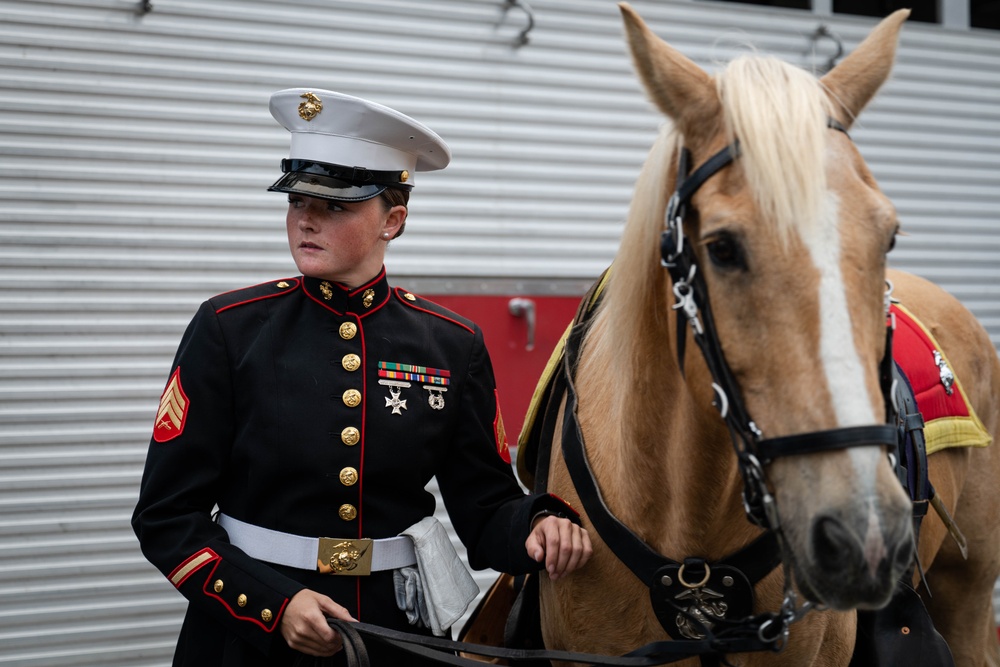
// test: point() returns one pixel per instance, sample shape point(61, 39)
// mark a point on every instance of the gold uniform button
point(241, 600)
point(283, 285)
point(348, 476)
point(352, 398)
point(348, 512)
point(351, 362)
point(348, 330)
point(266, 615)
point(350, 436)
point(409, 297)
point(218, 585)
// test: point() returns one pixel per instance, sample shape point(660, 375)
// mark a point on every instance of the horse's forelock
point(779, 114)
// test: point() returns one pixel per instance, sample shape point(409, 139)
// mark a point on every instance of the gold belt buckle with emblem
point(344, 557)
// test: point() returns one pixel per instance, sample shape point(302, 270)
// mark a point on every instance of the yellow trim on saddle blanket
point(954, 431)
point(546, 378)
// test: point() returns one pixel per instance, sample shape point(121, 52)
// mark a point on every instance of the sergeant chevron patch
point(501, 434)
point(172, 415)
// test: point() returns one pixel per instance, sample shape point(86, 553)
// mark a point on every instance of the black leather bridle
point(753, 451)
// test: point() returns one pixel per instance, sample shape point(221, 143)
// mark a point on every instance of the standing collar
point(360, 301)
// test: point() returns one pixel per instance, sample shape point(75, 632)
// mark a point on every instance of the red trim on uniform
point(399, 293)
point(565, 503)
point(293, 283)
point(212, 594)
point(206, 555)
point(364, 428)
point(172, 414)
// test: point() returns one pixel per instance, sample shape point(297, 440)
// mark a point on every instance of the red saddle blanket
point(949, 419)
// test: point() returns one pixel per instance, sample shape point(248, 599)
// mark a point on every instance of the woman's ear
point(395, 220)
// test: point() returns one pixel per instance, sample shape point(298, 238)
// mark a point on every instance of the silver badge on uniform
point(436, 398)
point(393, 400)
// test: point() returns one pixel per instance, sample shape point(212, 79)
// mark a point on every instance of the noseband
point(753, 451)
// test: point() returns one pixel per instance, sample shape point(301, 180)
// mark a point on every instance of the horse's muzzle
point(857, 564)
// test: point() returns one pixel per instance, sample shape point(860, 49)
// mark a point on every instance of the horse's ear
point(681, 89)
point(854, 82)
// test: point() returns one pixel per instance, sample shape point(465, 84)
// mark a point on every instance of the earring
point(385, 235)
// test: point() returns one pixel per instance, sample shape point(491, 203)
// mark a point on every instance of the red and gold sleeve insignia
point(501, 435)
point(172, 414)
point(192, 565)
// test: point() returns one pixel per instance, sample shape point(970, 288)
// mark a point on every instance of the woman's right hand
point(304, 625)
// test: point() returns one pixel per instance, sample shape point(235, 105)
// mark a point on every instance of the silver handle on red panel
point(521, 307)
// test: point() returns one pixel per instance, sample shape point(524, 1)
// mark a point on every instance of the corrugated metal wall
point(134, 153)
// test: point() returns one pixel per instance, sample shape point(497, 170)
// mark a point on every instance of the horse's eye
point(892, 241)
point(725, 252)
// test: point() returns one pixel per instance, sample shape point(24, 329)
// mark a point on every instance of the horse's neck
point(660, 452)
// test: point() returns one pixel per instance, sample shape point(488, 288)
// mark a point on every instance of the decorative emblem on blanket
point(688, 606)
point(947, 377)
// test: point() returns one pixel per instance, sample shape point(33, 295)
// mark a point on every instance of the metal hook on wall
point(522, 37)
point(823, 31)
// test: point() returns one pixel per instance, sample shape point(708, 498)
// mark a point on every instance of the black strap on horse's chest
point(663, 576)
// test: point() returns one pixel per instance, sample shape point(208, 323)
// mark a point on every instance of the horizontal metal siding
point(134, 153)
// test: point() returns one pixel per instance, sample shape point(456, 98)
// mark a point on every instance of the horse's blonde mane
point(779, 114)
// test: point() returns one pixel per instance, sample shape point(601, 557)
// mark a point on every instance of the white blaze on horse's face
point(791, 238)
point(845, 372)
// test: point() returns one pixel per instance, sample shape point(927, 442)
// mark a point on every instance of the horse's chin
point(821, 587)
point(838, 598)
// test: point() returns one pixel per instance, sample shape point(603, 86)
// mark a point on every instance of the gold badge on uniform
point(326, 289)
point(311, 107)
point(368, 297)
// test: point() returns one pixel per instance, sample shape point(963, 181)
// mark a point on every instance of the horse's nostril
point(833, 544)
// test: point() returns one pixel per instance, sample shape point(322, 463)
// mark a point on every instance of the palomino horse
point(790, 238)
